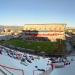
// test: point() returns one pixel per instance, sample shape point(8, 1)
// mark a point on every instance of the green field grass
point(48, 47)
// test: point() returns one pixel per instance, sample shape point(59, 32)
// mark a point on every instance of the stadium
point(45, 32)
point(25, 56)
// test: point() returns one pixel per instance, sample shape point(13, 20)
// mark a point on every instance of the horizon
point(42, 23)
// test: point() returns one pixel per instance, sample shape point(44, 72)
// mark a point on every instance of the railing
point(8, 71)
point(3, 72)
point(11, 71)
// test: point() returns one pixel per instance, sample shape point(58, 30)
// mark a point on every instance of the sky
point(20, 12)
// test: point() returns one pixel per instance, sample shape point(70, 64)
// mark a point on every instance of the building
point(45, 32)
point(10, 30)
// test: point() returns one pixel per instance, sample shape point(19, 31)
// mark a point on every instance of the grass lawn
point(48, 47)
